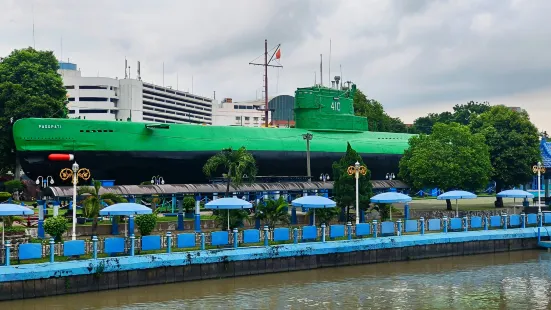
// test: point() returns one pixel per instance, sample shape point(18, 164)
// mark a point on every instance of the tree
point(514, 145)
point(93, 203)
point(29, 87)
point(272, 212)
point(324, 215)
point(450, 158)
point(344, 186)
point(465, 113)
point(235, 163)
point(462, 114)
point(377, 119)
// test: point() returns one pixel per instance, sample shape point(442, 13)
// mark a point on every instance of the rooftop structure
point(243, 113)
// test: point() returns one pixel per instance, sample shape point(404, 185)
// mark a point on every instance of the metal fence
point(261, 237)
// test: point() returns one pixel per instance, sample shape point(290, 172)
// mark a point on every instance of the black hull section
point(128, 168)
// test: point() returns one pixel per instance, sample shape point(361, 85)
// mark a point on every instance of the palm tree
point(273, 212)
point(93, 203)
point(236, 164)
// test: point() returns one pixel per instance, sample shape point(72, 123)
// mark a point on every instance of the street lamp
point(157, 180)
point(324, 177)
point(40, 180)
point(539, 169)
point(308, 137)
point(356, 170)
point(75, 173)
point(390, 176)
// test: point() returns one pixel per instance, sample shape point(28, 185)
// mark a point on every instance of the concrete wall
point(37, 280)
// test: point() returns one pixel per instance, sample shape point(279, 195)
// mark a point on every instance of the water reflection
point(516, 280)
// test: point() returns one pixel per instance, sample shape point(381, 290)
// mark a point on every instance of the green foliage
point(55, 226)
point(451, 157)
point(513, 142)
point(462, 114)
point(189, 204)
point(92, 204)
point(146, 223)
point(235, 164)
point(273, 212)
point(237, 218)
point(4, 196)
point(13, 186)
point(384, 210)
point(29, 87)
point(344, 186)
point(325, 215)
point(377, 119)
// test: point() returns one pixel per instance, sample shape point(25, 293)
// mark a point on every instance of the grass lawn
point(481, 203)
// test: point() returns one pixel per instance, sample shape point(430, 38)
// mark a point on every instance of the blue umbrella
point(230, 203)
point(125, 209)
point(314, 202)
point(390, 197)
point(515, 193)
point(457, 194)
point(9, 209)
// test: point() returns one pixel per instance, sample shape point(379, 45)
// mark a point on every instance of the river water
point(515, 280)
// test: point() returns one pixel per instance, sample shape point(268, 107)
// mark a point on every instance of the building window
point(93, 99)
point(92, 87)
point(71, 99)
point(92, 111)
point(238, 118)
point(70, 87)
point(255, 119)
point(247, 118)
point(71, 111)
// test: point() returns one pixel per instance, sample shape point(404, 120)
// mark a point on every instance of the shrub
point(55, 226)
point(13, 186)
point(4, 196)
point(189, 204)
point(146, 223)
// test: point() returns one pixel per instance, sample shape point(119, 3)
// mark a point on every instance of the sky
point(415, 57)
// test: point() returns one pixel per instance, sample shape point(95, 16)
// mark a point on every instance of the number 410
point(336, 106)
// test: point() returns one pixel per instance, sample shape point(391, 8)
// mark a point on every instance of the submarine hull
point(185, 167)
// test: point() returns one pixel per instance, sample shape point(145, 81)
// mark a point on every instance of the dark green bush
point(146, 223)
point(13, 186)
point(4, 196)
point(55, 226)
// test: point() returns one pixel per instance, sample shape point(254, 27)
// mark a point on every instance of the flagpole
point(266, 83)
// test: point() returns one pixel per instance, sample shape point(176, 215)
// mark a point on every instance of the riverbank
point(48, 279)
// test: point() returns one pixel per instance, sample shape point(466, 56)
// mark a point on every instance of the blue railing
point(255, 237)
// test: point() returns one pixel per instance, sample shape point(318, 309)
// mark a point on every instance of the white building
point(245, 113)
point(102, 98)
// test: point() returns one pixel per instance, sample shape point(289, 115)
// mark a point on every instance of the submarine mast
point(266, 64)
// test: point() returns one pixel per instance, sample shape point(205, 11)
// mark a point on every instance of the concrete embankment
point(48, 279)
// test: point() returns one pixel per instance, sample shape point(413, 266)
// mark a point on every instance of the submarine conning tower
point(320, 108)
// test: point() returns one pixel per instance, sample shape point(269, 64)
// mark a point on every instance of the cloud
point(418, 56)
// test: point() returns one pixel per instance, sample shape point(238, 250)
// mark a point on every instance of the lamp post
point(156, 180)
point(539, 169)
point(324, 177)
point(44, 183)
point(74, 173)
point(356, 170)
point(308, 137)
point(390, 176)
